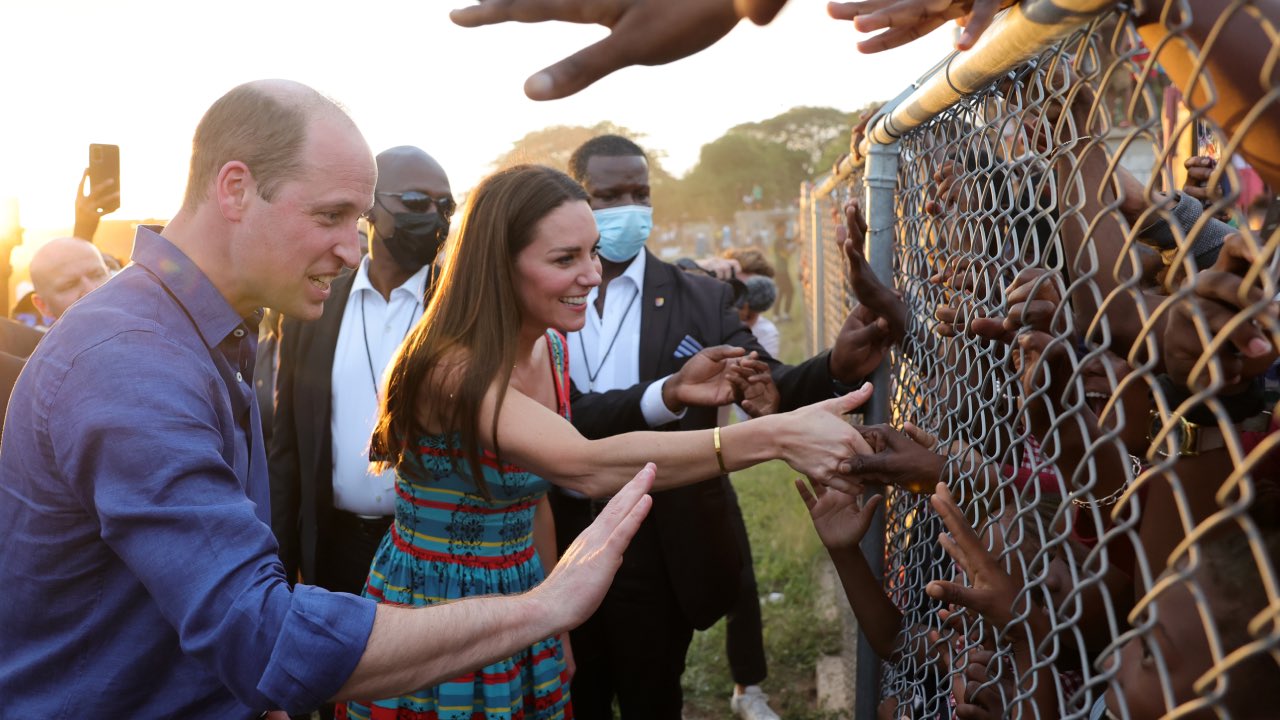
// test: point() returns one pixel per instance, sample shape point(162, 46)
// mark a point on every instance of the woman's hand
point(818, 442)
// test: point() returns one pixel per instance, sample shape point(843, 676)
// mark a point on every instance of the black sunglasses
point(421, 202)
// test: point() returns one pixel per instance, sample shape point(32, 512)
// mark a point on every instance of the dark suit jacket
point(301, 460)
point(698, 545)
point(17, 342)
point(18, 339)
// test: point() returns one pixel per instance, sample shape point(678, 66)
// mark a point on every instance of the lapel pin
point(659, 301)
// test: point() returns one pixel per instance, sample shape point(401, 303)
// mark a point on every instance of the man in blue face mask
point(683, 571)
point(328, 511)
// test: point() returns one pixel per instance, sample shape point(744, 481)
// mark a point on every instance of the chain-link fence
point(1084, 234)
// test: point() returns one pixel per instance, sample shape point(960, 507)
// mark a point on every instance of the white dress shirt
point(767, 333)
point(371, 331)
point(619, 368)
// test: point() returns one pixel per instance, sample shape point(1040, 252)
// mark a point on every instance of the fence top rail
point(1017, 35)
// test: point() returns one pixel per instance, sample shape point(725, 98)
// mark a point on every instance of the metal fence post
point(881, 180)
point(817, 272)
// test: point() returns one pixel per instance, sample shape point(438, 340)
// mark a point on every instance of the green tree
point(822, 133)
point(807, 130)
point(775, 155)
point(731, 167)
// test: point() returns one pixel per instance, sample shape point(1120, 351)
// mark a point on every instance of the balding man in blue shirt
point(141, 575)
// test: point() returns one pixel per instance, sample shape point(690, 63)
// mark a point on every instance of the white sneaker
point(752, 704)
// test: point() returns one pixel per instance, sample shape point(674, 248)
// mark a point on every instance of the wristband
point(715, 438)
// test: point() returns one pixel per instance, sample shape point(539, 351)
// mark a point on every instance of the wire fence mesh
point(1087, 249)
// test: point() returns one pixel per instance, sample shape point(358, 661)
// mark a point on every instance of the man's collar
point(634, 273)
point(212, 315)
point(416, 285)
point(635, 270)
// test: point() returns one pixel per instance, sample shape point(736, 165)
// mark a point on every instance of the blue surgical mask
point(623, 231)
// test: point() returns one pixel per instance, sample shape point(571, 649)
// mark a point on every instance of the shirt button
point(238, 332)
point(239, 377)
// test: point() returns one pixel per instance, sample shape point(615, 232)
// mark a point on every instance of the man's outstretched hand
point(585, 571)
point(643, 32)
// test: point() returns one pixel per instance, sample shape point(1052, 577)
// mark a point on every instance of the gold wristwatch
point(1189, 438)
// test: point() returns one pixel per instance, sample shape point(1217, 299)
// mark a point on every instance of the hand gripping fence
point(1080, 216)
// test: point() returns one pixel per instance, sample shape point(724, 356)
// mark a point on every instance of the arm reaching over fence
point(907, 20)
point(642, 32)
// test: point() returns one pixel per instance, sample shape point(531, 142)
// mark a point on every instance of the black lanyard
point(591, 376)
point(364, 333)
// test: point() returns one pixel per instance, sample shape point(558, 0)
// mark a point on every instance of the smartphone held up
point(104, 176)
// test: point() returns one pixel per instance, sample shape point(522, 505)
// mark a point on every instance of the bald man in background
point(63, 271)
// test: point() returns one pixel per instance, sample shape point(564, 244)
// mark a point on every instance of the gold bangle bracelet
point(715, 437)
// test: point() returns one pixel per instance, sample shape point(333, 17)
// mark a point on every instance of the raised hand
point(880, 318)
point(585, 571)
point(106, 195)
point(840, 518)
point(907, 20)
point(724, 269)
point(704, 380)
point(642, 32)
point(992, 590)
point(1220, 294)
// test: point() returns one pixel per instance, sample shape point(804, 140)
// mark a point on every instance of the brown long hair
point(474, 310)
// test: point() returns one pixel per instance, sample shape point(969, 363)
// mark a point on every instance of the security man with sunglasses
point(328, 511)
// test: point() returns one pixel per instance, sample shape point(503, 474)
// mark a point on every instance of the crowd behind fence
point(1088, 256)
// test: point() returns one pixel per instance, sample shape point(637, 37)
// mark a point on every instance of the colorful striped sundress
point(449, 542)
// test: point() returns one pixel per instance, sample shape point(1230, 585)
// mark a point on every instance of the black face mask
point(417, 239)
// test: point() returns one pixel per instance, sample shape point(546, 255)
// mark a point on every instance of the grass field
point(786, 552)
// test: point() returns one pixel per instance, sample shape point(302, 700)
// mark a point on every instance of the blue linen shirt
point(140, 576)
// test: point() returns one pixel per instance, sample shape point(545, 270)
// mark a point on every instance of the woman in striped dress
point(475, 416)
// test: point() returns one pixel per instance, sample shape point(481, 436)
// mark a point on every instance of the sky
point(140, 73)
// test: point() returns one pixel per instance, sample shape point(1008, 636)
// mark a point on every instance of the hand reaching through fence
point(905, 458)
point(996, 595)
point(980, 694)
point(842, 520)
point(907, 20)
point(1228, 299)
point(1033, 299)
point(642, 32)
point(879, 319)
point(705, 380)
